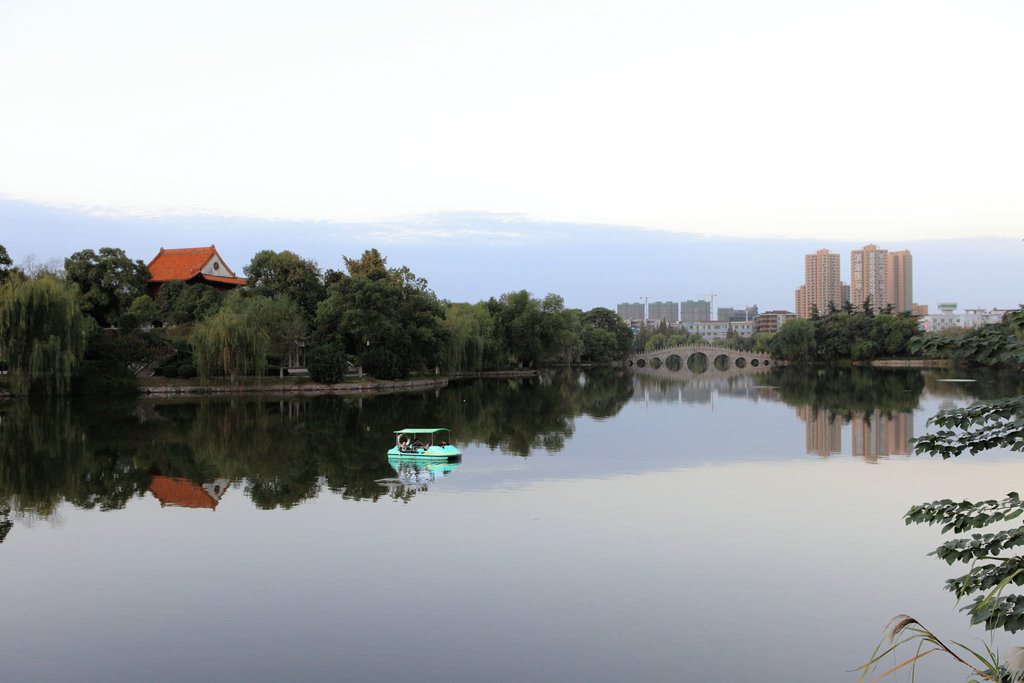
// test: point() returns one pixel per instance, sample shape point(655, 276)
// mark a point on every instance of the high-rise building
point(630, 311)
point(736, 315)
point(770, 321)
point(822, 285)
point(695, 311)
point(901, 281)
point(663, 310)
point(869, 277)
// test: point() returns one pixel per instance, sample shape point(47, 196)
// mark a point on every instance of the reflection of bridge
point(694, 359)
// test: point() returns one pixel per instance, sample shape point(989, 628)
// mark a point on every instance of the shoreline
point(916, 363)
point(363, 388)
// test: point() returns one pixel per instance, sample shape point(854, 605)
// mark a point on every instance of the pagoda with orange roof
point(200, 264)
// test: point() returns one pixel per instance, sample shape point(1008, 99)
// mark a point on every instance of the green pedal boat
point(426, 442)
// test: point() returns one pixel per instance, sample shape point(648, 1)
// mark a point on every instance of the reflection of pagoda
point(877, 435)
point(184, 493)
point(824, 430)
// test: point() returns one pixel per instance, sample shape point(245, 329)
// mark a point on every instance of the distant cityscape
point(879, 279)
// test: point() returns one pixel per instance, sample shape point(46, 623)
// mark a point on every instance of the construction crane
point(646, 299)
point(712, 313)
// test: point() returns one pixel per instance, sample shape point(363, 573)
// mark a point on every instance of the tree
point(108, 282)
point(178, 303)
point(867, 306)
point(271, 273)
point(606, 320)
point(371, 264)
point(5, 264)
point(227, 343)
point(609, 320)
point(469, 345)
point(561, 331)
point(143, 311)
point(41, 335)
point(327, 362)
point(599, 345)
point(996, 564)
point(794, 341)
point(395, 317)
point(517, 322)
point(278, 317)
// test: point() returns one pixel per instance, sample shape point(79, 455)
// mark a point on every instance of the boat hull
point(431, 453)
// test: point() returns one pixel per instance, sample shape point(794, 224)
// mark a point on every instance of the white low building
point(719, 329)
point(949, 319)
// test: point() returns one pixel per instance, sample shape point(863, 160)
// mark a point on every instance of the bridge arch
point(698, 358)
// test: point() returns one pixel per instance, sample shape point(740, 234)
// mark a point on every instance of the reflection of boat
point(427, 443)
point(421, 470)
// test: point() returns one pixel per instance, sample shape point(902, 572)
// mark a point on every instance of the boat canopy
point(424, 430)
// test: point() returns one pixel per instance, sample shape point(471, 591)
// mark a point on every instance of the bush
point(327, 363)
point(104, 377)
point(383, 364)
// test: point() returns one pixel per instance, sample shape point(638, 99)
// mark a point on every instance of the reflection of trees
point(258, 442)
point(104, 453)
point(991, 383)
point(285, 451)
point(848, 390)
point(45, 458)
point(5, 522)
point(518, 415)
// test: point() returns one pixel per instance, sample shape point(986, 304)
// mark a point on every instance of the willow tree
point(41, 335)
point(278, 316)
point(228, 344)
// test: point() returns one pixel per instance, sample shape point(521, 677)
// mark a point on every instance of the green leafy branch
point(981, 426)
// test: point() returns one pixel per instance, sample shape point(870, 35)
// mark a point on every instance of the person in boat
point(416, 444)
point(403, 445)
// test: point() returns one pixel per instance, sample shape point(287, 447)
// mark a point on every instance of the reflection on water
point(602, 525)
point(179, 492)
point(282, 452)
point(419, 471)
point(874, 434)
point(414, 475)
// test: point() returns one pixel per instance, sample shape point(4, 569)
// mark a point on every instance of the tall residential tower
point(822, 285)
point(901, 281)
point(869, 277)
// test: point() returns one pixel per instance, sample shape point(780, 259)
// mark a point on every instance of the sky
point(560, 146)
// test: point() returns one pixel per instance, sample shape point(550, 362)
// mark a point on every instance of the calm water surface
point(600, 526)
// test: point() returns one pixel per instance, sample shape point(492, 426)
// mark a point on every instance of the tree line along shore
point(99, 324)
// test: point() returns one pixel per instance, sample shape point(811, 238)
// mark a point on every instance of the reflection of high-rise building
point(822, 285)
point(879, 435)
point(824, 430)
point(900, 433)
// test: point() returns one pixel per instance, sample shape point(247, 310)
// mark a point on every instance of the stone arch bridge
point(700, 358)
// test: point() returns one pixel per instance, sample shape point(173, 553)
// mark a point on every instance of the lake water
point(601, 525)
